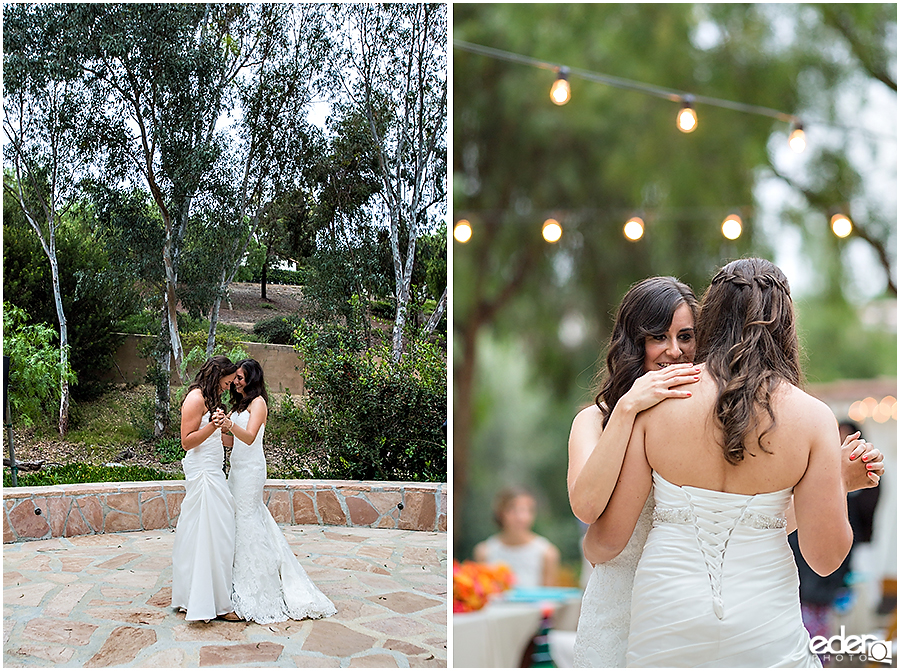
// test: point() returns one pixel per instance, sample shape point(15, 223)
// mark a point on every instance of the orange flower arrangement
point(474, 583)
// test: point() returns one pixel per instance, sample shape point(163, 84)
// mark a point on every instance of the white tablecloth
point(497, 635)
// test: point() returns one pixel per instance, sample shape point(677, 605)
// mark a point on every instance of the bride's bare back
point(683, 443)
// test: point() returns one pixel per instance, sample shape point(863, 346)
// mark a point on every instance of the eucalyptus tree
point(44, 112)
point(395, 73)
point(199, 103)
point(274, 146)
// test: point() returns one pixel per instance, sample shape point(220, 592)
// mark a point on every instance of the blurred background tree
point(532, 318)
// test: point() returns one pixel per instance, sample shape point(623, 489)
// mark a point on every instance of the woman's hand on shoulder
point(658, 385)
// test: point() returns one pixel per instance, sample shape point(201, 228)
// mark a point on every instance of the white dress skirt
point(203, 551)
point(603, 624)
point(270, 585)
point(716, 585)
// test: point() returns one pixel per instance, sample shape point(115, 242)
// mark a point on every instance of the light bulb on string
point(687, 117)
point(462, 231)
point(634, 229)
point(797, 140)
point(551, 231)
point(732, 227)
point(841, 225)
point(560, 91)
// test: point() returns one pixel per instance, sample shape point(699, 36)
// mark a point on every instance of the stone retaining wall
point(32, 513)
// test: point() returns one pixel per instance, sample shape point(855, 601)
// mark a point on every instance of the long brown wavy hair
point(646, 310)
point(747, 337)
point(207, 380)
point(254, 385)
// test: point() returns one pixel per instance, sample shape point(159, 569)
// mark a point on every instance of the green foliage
point(383, 309)
point(80, 472)
point(278, 330)
point(95, 295)
point(372, 419)
point(169, 450)
point(35, 367)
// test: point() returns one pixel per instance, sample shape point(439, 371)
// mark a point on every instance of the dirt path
point(245, 306)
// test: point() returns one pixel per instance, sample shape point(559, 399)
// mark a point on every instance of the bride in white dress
point(269, 584)
point(648, 360)
point(716, 583)
point(204, 535)
point(652, 338)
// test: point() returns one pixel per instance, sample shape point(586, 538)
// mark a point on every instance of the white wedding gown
point(716, 585)
point(270, 585)
point(603, 624)
point(204, 535)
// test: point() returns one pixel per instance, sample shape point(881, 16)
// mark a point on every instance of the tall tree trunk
point(163, 377)
point(214, 317)
point(262, 279)
point(63, 342)
point(437, 314)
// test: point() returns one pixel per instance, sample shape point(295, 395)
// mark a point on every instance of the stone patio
point(103, 600)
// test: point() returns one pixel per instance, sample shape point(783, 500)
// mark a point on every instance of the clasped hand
point(869, 473)
point(221, 420)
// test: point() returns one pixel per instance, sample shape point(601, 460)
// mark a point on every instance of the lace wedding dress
point(204, 535)
point(716, 585)
point(270, 585)
point(602, 634)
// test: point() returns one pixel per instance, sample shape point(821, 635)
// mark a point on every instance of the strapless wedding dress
point(270, 585)
point(602, 634)
point(204, 536)
point(716, 585)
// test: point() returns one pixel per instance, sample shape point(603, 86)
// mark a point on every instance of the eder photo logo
point(864, 648)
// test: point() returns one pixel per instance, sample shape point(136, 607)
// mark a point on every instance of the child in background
point(533, 559)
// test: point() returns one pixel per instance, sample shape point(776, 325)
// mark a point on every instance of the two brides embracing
point(700, 454)
point(230, 559)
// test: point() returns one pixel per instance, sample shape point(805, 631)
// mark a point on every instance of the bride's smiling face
point(240, 381)
point(225, 381)
point(676, 345)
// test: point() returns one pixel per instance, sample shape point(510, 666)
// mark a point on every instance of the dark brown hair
point(207, 380)
point(254, 385)
point(646, 310)
point(747, 338)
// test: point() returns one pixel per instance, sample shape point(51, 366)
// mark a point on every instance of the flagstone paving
point(104, 600)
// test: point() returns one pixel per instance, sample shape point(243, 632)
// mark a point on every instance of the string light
point(634, 229)
point(687, 117)
point(551, 231)
point(797, 140)
point(649, 89)
point(841, 225)
point(560, 91)
point(731, 227)
point(462, 231)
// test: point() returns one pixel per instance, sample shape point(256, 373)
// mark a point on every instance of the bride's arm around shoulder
point(820, 500)
point(609, 535)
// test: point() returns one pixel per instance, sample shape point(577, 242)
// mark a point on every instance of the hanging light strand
point(649, 89)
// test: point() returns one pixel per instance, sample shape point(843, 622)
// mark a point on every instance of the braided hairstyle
point(747, 338)
point(208, 378)
point(646, 310)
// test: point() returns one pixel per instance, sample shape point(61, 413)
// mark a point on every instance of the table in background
point(497, 635)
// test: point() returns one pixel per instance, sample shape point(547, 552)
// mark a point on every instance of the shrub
point(35, 366)
point(169, 450)
point(80, 472)
point(277, 330)
point(374, 420)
